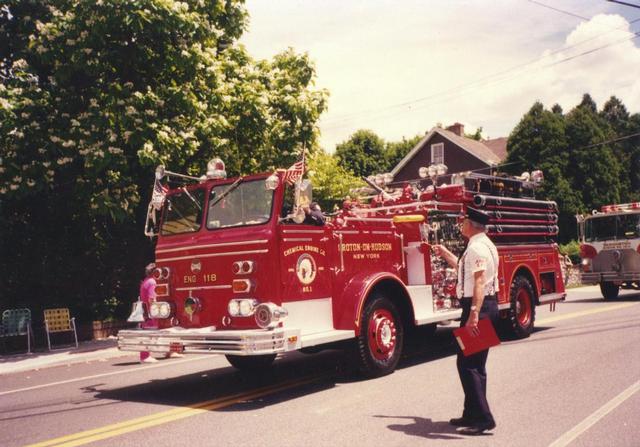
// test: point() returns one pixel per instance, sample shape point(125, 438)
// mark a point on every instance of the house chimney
point(457, 128)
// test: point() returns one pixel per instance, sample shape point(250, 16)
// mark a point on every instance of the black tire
point(251, 362)
point(522, 313)
point(379, 345)
point(609, 290)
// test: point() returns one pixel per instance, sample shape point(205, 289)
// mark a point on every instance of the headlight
point(242, 307)
point(247, 307)
point(233, 308)
point(160, 309)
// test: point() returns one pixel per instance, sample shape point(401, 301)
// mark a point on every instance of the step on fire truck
point(240, 273)
point(610, 248)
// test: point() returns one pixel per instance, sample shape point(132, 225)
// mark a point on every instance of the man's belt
point(493, 297)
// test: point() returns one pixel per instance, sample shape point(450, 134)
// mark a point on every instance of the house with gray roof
point(451, 147)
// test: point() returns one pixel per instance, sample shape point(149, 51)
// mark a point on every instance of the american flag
point(159, 193)
point(295, 172)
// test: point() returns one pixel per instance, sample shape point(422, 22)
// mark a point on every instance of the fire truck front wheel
point(379, 344)
point(522, 313)
point(609, 290)
point(250, 362)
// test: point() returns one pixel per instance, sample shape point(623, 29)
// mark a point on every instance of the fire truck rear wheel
point(522, 313)
point(250, 362)
point(609, 290)
point(379, 344)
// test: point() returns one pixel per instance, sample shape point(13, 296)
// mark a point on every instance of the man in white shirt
point(477, 288)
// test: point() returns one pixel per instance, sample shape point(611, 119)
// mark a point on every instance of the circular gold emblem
point(306, 269)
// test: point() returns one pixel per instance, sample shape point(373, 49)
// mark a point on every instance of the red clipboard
point(470, 344)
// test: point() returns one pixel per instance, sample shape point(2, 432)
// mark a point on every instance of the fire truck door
point(304, 273)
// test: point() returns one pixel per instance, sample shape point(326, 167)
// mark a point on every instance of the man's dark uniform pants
point(471, 369)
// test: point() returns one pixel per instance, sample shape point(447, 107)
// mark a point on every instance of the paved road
point(576, 382)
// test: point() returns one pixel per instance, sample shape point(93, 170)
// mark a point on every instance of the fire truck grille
point(248, 342)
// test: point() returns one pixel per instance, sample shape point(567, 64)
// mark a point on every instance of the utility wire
point(458, 91)
point(457, 88)
point(562, 11)
point(624, 3)
point(626, 137)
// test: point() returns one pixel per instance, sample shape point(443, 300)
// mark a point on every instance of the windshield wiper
point(191, 197)
point(227, 191)
point(191, 226)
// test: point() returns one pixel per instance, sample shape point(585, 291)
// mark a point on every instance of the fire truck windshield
point(182, 212)
point(606, 228)
point(249, 203)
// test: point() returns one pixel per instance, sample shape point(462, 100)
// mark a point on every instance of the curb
point(35, 361)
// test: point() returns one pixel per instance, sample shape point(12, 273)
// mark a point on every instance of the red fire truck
point(240, 273)
point(610, 248)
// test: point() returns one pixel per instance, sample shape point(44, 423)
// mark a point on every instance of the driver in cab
point(313, 214)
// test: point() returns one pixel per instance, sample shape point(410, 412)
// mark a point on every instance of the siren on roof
point(216, 169)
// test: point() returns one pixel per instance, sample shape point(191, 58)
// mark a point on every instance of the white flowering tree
point(93, 95)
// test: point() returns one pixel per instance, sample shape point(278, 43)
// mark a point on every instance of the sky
point(400, 67)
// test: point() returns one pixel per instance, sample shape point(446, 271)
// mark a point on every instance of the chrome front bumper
point(210, 341)
point(615, 277)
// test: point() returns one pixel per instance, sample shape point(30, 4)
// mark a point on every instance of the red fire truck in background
point(239, 273)
point(610, 248)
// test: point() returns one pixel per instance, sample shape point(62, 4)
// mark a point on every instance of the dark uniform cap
point(477, 216)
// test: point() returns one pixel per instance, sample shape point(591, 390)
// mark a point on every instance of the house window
point(437, 153)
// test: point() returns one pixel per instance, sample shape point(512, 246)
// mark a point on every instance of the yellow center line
point(164, 417)
point(152, 420)
point(583, 313)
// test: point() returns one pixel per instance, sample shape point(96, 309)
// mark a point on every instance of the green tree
point(363, 153)
point(93, 96)
point(633, 149)
point(615, 114)
point(539, 142)
point(588, 103)
point(593, 168)
point(331, 181)
point(396, 150)
point(477, 135)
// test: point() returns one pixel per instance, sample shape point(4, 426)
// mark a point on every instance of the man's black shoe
point(477, 429)
point(461, 422)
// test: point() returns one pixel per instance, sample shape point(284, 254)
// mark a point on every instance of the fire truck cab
point(241, 273)
point(610, 248)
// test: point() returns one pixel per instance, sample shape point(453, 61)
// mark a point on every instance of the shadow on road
point(326, 370)
point(222, 383)
point(424, 428)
